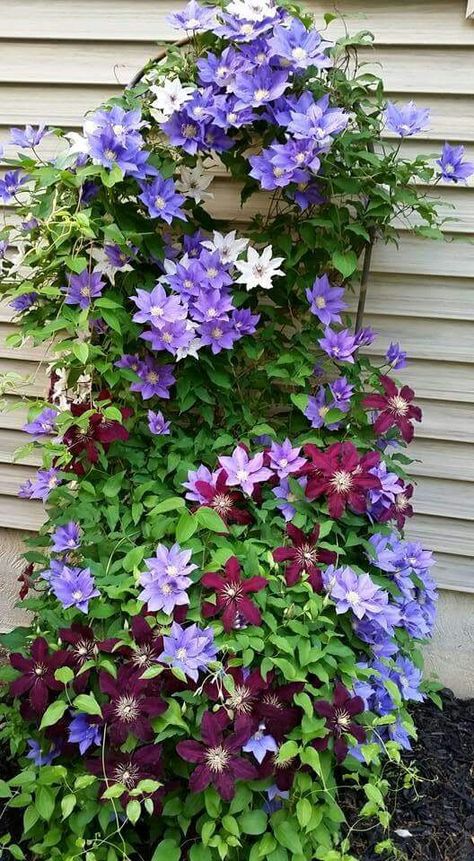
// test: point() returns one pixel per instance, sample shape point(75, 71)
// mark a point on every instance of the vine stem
point(364, 281)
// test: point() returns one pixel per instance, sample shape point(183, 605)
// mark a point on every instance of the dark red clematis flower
point(342, 476)
point(37, 674)
point(147, 646)
point(283, 773)
point(401, 508)
point(217, 757)
point(133, 703)
point(83, 647)
point(83, 442)
point(129, 769)
point(396, 409)
point(305, 555)
point(26, 580)
point(339, 721)
point(232, 595)
point(248, 687)
point(276, 710)
point(224, 500)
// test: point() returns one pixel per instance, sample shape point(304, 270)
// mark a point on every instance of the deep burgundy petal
point(191, 751)
point(200, 778)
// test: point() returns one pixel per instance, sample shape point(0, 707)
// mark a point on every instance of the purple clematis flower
point(218, 334)
point(155, 380)
point(264, 86)
point(41, 486)
point(162, 200)
point(300, 47)
point(11, 184)
point(171, 337)
point(189, 649)
point(67, 537)
point(339, 345)
point(83, 288)
point(74, 587)
point(167, 579)
point(326, 301)
point(44, 423)
point(244, 322)
point(84, 733)
point(260, 743)
point(158, 424)
point(285, 494)
point(27, 137)
point(194, 18)
point(243, 471)
point(357, 593)
point(156, 307)
point(40, 757)
point(319, 122)
point(396, 357)
point(453, 168)
point(284, 459)
point(25, 301)
point(202, 475)
point(406, 120)
point(342, 392)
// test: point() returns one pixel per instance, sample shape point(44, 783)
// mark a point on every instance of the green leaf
point(172, 503)
point(133, 811)
point(253, 822)
point(64, 675)
point(287, 835)
point(87, 703)
point(114, 791)
point(81, 351)
point(345, 263)
point(44, 802)
point(199, 853)
point(168, 850)
point(5, 791)
point(53, 713)
point(111, 177)
point(186, 527)
point(288, 750)
point(304, 811)
point(68, 804)
point(76, 264)
point(209, 519)
point(113, 485)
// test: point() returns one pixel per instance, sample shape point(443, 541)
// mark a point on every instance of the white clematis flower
point(259, 269)
point(171, 95)
point(227, 245)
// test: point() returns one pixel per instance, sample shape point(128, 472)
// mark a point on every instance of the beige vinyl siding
point(60, 58)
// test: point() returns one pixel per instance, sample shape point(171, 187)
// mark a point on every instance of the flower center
point(401, 501)
point(242, 474)
point(189, 130)
point(156, 311)
point(128, 775)
point(353, 598)
point(398, 405)
point(159, 202)
point(78, 595)
point(85, 291)
point(232, 590)
point(307, 555)
point(39, 670)
point(343, 719)
point(273, 701)
point(217, 758)
point(320, 302)
point(181, 654)
point(240, 700)
point(152, 377)
point(216, 332)
point(341, 481)
point(110, 155)
point(298, 53)
point(84, 650)
point(127, 708)
point(143, 656)
point(222, 503)
point(261, 95)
